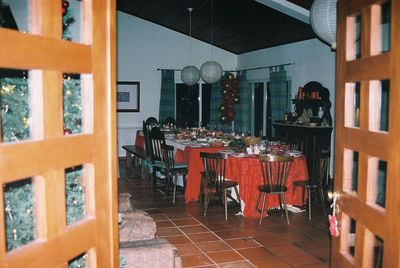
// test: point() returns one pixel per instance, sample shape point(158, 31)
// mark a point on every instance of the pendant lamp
point(211, 71)
point(190, 75)
point(323, 20)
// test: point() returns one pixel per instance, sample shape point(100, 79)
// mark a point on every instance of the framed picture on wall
point(128, 96)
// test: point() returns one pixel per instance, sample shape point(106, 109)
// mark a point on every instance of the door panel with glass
point(367, 161)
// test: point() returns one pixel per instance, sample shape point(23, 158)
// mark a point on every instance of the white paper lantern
point(323, 20)
point(211, 72)
point(190, 75)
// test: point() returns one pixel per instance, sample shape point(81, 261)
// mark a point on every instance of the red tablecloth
point(247, 171)
point(139, 141)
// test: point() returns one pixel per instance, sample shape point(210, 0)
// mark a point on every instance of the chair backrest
point(146, 139)
point(156, 139)
point(170, 121)
point(152, 121)
point(214, 168)
point(168, 157)
point(275, 171)
point(320, 168)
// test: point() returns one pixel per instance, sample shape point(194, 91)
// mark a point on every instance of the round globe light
point(323, 20)
point(190, 75)
point(211, 72)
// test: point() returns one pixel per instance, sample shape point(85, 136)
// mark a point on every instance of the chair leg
point(226, 204)
point(207, 201)
point(258, 200)
point(321, 195)
point(287, 214)
point(280, 204)
point(201, 197)
point(262, 209)
point(309, 204)
point(175, 182)
point(303, 193)
point(205, 198)
point(142, 170)
point(167, 182)
point(238, 197)
point(154, 184)
point(184, 178)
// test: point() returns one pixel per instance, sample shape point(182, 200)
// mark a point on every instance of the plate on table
point(227, 151)
point(239, 155)
point(294, 153)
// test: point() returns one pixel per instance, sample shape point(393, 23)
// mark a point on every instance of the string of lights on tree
point(230, 97)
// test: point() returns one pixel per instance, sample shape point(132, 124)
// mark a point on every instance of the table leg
point(128, 166)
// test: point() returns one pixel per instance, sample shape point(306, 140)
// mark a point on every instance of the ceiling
point(239, 26)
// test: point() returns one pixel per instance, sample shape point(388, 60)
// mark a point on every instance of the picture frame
point(128, 96)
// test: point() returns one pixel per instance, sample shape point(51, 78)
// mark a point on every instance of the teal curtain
point(279, 93)
point(215, 102)
point(243, 108)
point(167, 96)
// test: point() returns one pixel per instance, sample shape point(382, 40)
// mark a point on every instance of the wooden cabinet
point(314, 96)
point(310, 139)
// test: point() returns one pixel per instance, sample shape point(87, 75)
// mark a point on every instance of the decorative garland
point(230, 96)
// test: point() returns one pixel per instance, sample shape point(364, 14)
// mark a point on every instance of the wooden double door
point(45, 156)
point(367, 144)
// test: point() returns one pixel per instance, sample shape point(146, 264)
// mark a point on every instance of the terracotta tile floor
point(240, 242)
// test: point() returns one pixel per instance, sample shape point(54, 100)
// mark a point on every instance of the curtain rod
point(232, 71)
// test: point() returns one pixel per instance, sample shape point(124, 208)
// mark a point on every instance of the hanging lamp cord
point(212, 28)
point(190, 34)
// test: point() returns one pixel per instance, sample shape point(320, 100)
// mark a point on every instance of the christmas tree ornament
point(67, 131)
point(65, 4)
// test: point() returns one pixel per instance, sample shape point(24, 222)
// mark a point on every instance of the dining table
point(243, 168)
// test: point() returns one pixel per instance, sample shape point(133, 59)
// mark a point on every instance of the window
point(189, 112)
point(267, 106)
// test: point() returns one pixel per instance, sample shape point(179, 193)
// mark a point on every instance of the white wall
point(142, 47)
point(313, 61)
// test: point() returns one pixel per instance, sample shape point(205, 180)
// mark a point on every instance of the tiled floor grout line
point(211, 231)
point(222, 240)
point(204, 253)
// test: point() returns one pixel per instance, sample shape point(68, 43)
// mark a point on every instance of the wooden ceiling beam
point(288, 8)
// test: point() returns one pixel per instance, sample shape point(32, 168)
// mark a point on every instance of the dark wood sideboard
point(310, 139)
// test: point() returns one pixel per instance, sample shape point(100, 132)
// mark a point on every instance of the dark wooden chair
point(214, 179)
point(156, 138)
point(275, 172)
point(170, 121)
point(152, 121)
point(172, 169)
point(318, 180)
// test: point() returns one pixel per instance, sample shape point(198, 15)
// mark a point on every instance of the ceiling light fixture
point(323, 20)
point(211, 71)
point(190, 75)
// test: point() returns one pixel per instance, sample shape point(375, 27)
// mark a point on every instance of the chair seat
point(306, 184)
point(160, 164)
point(272, 188)
point(229, 183)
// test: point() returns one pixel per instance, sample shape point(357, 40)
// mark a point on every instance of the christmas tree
point(18, 196)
